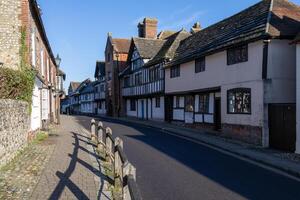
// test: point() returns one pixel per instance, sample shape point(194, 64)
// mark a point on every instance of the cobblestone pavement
point(70, 173)
point(19, 177)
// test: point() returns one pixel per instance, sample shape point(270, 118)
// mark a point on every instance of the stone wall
point(14, 126)
point(10, 34)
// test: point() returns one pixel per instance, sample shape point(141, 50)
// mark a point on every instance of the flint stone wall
point(14, 127)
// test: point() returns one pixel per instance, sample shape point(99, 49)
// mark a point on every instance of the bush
point(17, 84)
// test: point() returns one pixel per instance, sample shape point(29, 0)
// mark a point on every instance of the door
point(143, 109)
point(282, 126)
point(217, 113)
point(189, 109)
point(168, 108)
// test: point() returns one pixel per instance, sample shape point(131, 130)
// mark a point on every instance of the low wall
point(14, 126)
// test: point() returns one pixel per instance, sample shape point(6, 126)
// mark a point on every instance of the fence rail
point(123, 171)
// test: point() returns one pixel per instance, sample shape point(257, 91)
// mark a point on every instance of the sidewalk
point(286, 162)
point(73, 171)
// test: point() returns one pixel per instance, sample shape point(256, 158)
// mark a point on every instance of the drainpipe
point(265, 128)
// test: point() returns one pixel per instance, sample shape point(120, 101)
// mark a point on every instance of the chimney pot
point(196, 28)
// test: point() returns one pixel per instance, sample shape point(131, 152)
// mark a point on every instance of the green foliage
point(40, 137)
point(18, 84)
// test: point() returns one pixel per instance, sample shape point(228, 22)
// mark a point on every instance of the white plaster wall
point(298, 101)
point(158, 113)
point(282, 72)
point(178, 114)
point(217, 73)
point(36, 106)
point(128, 111)
point(149, 101)
point(256, 116)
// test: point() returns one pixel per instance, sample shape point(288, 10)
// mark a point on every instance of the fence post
point(93, 129)
point(118, 161)
point(128, 169)
point(100, 137)
point(109, 143)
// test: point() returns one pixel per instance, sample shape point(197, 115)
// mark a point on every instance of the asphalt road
point(171, 168)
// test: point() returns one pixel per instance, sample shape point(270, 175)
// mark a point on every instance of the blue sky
point(78, 29)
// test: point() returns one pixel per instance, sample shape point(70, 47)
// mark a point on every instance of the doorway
point(217, 113)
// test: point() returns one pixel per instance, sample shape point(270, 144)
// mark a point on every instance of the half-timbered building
point(100, 88)
point(238, 75)
point(143, 80)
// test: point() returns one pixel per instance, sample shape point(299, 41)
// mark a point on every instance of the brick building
point(24, 17)
point(116, 53)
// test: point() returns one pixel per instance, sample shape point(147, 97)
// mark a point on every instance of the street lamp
point(58, 60)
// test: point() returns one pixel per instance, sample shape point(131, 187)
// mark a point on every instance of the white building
point(297, 42)
point(238, 76)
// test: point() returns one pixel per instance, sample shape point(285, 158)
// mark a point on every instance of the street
point(172, 168)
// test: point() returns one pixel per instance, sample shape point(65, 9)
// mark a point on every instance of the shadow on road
point(243, 178)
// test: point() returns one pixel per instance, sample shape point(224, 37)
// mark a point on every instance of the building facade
point(100, 88)
point(143, 80)
point(230, 76)
point(23, 22)
point(116, 53)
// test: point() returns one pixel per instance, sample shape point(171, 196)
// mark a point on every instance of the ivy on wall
point(18, 84)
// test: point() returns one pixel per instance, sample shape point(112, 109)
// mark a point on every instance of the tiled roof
point(165, 34)
point(74, 85)
point(148, 48)
point(266, 19)
point(121, 45)
point(169, 48)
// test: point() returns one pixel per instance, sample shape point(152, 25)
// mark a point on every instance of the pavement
point(173, 165)
point(73, 171)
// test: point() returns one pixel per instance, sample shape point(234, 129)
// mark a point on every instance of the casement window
point(177, 102)
point(127, 81)
point(47, 69)
point(154, 74)
point(175, 71)
point(200, 65)
point(132, 105)
point(109, 76)
point(157, 102)
point(138, 79)
point(136, 63)
point(189, 103)
point(203, 103)
point(33, 49)
point(239, 101)
point(237, 55)
point(42, 63)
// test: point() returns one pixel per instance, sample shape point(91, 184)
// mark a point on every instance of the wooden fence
point(123, 171)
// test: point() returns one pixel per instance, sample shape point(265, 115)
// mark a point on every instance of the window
point(127, 81)
point(157, 102)
point(108, 57)
point(138, 79)
point(204, 103)
point(239, 101)
point(200, 65)
point(136, 64)
point(154, 74)
point(237, 55)
point(33, 49)
point(189, 104)
point(175, 71)
point(132, 105)
point(109, 76)
point(177, 102)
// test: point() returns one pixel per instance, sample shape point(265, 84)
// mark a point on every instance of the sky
point(77, 29)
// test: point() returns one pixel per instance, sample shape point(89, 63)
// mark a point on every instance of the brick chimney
point(196, 28)
point(148, 28)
